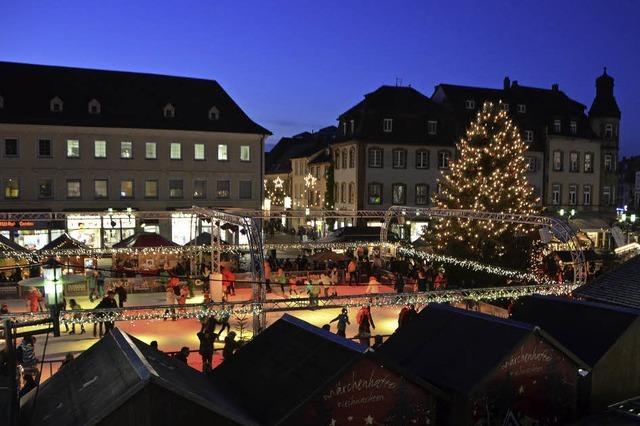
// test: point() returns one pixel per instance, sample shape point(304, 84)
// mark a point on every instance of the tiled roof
point(620, 286)
point(127, 99)
point(304, 144)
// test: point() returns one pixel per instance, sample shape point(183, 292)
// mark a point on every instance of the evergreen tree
point(489, 174)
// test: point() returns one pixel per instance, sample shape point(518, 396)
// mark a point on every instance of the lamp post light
point(52, 273)
point(627, 221)
point(569, 214)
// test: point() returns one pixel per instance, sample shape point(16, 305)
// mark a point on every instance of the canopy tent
point(145, 240)
point(63, 242)
point(143, 258)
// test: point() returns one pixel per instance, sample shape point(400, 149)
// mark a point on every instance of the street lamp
point(52, 273)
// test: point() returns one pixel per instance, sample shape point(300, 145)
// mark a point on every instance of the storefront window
point(32, 239)
point(183, 228)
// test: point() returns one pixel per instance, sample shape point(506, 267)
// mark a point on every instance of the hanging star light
point(310, 180)
point(278, 183)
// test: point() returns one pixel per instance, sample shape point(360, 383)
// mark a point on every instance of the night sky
point(296, 65)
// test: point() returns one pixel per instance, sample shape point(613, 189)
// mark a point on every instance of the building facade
point(106, 142)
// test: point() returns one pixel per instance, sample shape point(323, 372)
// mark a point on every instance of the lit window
point(399, 193)
point(222, 152)
point(574, 162)
point(522, 108)
point(557, 126)
point(352, 192)
point(199, 189)
point(556, 194)
point(11, 188)
point(443, 159)
point(387, 125)
point(100, 188)
point(572, 195)
point(245, 190)
point(573, 127)
point(73, 188)
point(198, 151)
point(175, 151)
point(11, 148)
point(45, 189)
point(126, 150)
point(223, 189)
point(528, 135)
point(375, 193)
point(608, 131)
point(422, 159)
point(73, 148)
point(588, 162)
point(151, 188)
point(126, 189)
point(343, 192)
point(44, 148)
point(175, 188)
point(100, 149)
point(606, 195)
point(469, 104)
point(586, 195)
point(245, 153)
point(150, 152)
point(399, 158)
point(557, 161)
point(375, 157)
point(422, 194)
point(432, 127)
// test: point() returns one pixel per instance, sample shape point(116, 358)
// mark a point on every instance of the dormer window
point(505, 107)
point(352, 126)
point(522, 108)
point(557, 126)
point(469, 104)
point(214, 113)
point(169, 111)
point(387, 125)
point(56, 104)
point(94, 107)
point(432, 127)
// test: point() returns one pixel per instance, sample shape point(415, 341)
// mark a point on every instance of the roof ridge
point(346, 343)
point(142, 367)
point(482, 316)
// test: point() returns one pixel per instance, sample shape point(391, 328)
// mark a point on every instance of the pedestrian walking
point(108, 302)
point(76, 307)
point(207, 338)
point(440, 282)
point(267, 275)
point(365, 324)
point(122, 294)
point(26, 355)
point(343, 321)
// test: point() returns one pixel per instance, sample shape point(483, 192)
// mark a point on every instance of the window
point(73, 148)
point(126, 150)
point(175, 151)
point(169, 111)
point(344, 127)
point(199, 189)
point(352, 126)
point(73, 188)
point(422, 194)
point(469, 104)
point(606, 196)
point(344, 158)
point(422, 159)
point(387, 125)
point(99, 149)
point(11, 147)
point(45, 189)
point(399, 158)
point(399, 193)
point(343, 192)
point(573, 127)
point(352, 158)
point(531, 163)
point(352, 192)
point(337, 160)
point(522, 108)
point(608, 162)
point(245, 190)
point(150, 152)
point(557, 161)
point(100, 188)
point(56, 104)
point(528, 135)
point(222, 152)
point(151, 188)
point(175, 188)
point(574, 165)
point(223, 189)
point(556, 194)
point(608, 131)
point(432, 127)
point(443, 159)
point(505, 107)
point(586, 195)
point(375, 193)
point(126, 188)
point(94, 107)
point(245, 153)
point(214, 113)
point(572, 195)
point(557, 126)
point(11, 188)
point(375, 157)
point(44, 148)
point(198, 151)
point(588, 162)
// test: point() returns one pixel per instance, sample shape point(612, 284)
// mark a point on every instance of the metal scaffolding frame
point(559, 228)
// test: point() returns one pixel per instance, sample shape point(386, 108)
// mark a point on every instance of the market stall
point(14, 261)
point(145, 253)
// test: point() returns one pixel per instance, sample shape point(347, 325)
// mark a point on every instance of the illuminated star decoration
point(277, 182)
point(368, 420)
point(309, 180)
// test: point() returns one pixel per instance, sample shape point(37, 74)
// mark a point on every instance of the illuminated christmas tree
point(488, 175)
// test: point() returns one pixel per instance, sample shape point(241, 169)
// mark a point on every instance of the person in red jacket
point(440, 283)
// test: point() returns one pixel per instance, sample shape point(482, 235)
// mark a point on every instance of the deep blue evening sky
point(295, 65)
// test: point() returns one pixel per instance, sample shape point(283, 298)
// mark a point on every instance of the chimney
point(554, 87)
point(506, 83)
point(514, 84)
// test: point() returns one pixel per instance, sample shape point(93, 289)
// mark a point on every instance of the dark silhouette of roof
point(453, 348)
point(127, 99)
point(65, 242)
point(604, 104)
point(322, 157)
point(305, 144)
point(111, 372)
point(619, 286)
point(283, 366)
point(145, 240)
point(7, 246)
point(587, 329)
point(204, 239)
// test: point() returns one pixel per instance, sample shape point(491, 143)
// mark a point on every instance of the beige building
point(101, 142)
